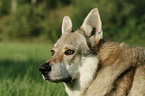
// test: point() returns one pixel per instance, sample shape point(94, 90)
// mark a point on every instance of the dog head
point(73, 46)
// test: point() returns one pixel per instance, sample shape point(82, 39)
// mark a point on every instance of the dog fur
point(95, 67)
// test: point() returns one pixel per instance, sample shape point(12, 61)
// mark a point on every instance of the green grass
point(19, 75)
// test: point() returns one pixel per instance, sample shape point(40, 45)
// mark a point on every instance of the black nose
point(44, 68)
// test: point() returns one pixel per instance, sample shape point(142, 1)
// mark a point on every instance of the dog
point(89, 65)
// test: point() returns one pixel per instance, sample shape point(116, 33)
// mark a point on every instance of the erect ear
point(66, 25)
point(92, 27)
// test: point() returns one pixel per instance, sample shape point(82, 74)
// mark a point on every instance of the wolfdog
point(89, 65)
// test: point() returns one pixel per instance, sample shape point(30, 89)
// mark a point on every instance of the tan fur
point(123, 84)
point(138, 86)
point(118, 58)
point(96, 67)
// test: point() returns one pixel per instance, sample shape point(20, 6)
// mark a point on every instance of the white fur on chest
point(87, 72)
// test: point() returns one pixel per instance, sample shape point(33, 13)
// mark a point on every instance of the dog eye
point(52, 52)
point(69, 52)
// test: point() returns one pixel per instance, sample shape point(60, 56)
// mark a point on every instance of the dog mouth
point(56, 80)
point(66, 80)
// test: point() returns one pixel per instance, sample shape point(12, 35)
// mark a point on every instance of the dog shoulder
point(115, 59)
point(109, 52)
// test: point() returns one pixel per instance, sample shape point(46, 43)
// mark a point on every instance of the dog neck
point(87, 73)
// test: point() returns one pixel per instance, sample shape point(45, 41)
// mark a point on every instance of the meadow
point(19, 74)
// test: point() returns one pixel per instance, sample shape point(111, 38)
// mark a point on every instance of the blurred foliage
point(121, 19)
point(4, 7)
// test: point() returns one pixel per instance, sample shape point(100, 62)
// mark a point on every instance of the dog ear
point(92, 27)
point(66, 25)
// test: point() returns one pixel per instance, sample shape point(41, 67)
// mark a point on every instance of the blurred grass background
point(29, 28)
point(19, 63)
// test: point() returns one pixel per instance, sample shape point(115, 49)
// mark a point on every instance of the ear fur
point(91, 22)
point(66, 24)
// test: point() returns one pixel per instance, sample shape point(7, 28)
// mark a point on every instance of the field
point(19, 75)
